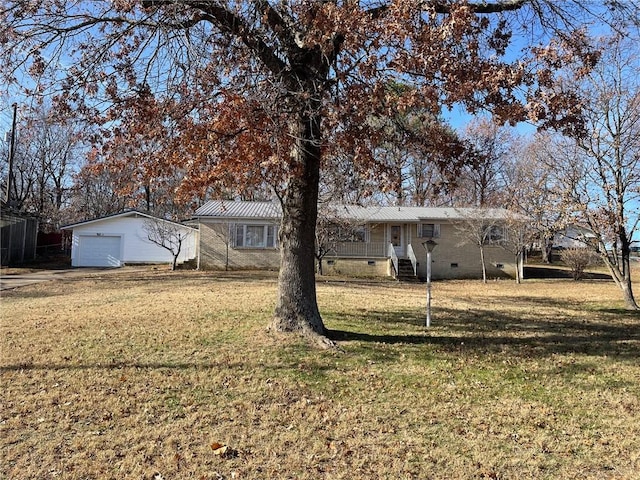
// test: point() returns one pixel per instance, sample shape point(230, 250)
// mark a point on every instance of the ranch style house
point(385, 241)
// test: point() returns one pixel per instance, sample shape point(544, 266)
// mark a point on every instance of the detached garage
point(123, 238)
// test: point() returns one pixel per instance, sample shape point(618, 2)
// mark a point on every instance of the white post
point(429, 245)
point(428, 288)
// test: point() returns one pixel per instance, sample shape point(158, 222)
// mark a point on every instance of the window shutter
point(239, 237)
point(271, 242)
point(436, 230)
point(232, 234)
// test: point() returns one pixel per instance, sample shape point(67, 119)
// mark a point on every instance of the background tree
point(477, 229)
point(98, 192)
point(416, 153)
point(168, 235)
point(334, 228)
point(48, 152)
point(533, 188)
point(481, 182)
point(24, 176)
point(600, 167)
point(225, 233)
point(268, 80)
point(516, 238)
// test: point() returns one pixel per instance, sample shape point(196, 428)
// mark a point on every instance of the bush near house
point(578, 260)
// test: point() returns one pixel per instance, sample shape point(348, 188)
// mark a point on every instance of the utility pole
point(7, 196)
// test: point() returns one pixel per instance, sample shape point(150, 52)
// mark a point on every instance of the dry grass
point(137, 376)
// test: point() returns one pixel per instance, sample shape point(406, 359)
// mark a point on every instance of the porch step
point(405, 271)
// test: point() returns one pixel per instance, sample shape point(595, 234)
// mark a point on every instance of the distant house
point(244, 235)
point(120, 239)
point(573, 236)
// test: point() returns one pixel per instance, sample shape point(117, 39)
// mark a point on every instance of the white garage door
point(99, 251)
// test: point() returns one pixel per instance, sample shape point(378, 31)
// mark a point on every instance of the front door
point(396, 239)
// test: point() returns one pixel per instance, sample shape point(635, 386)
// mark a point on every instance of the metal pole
point(428, 288)
point(7, 197)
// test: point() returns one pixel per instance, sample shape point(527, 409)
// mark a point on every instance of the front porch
point(373, 258)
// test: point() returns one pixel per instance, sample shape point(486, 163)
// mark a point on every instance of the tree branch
point(229, 22)
point(441, 7)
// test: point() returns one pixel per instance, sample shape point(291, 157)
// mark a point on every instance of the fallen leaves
point(223, 451)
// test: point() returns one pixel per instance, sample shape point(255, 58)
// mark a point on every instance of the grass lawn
point(171, 375)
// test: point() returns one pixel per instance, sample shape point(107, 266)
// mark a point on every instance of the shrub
point(577, 259)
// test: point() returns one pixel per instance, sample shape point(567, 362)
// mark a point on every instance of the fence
point(18, 238)
point(359, 249)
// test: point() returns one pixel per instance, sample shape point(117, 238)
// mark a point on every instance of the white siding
point(103, 251)
point(135, 247)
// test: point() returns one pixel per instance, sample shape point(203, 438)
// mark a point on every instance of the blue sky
point(457, 117)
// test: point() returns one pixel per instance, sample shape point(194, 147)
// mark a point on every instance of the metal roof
point(125, 213)
point(416, 214)
point(272, 210)
point(239, 209)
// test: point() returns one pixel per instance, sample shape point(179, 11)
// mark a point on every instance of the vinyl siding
point(136, 248)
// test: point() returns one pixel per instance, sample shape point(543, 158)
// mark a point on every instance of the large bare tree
point(599, 165)
point(532, 187)
point(254, 87)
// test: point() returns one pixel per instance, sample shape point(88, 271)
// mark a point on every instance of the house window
point(359, 234)
point(428, 230)
point(348, 233)
point(496, 234)
point(256, 236)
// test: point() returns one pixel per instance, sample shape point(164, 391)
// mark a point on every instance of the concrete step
point(405, 271)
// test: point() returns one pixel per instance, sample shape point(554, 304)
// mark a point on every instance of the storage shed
point(123, 238)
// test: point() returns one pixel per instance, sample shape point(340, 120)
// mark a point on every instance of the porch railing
point(414, 261)
point(394, 258)
point(358, 249)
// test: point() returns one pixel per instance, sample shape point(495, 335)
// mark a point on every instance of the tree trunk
point(296, 307)
point(622, 278)
point(547, 250)
point(484, 265)
point(627, 292)
point(518, 270)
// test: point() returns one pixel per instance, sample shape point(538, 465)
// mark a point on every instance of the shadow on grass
point(181, 276)
point(303, 366)
point(121, 366)
point(545, 271)
point(611, 333)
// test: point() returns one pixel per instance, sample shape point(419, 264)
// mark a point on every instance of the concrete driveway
point(8, 282)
